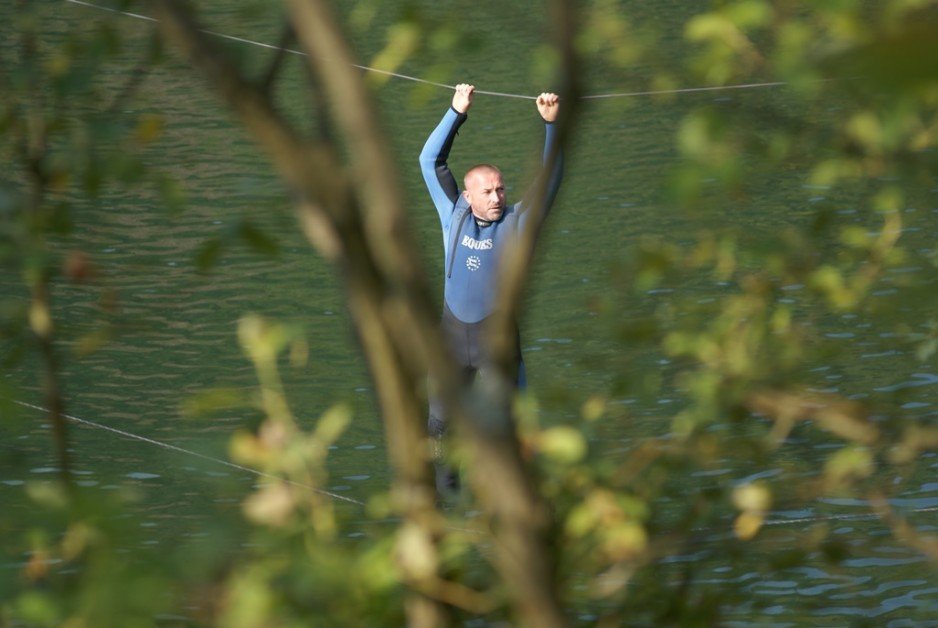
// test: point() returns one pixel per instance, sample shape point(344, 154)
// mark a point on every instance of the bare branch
point(359, 222)
point(347, 224)
point(522, 518)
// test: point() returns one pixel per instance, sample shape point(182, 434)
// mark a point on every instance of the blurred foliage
point(861, 106)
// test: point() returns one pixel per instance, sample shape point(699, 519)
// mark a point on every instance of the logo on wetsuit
point(474, 262)
point(477, 245)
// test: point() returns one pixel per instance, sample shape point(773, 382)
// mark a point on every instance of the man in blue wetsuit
point(477, 224)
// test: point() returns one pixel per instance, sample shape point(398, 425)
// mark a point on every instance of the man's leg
point(447, 480)
point(446, 475)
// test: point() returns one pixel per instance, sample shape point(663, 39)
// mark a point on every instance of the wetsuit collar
point(483, 223)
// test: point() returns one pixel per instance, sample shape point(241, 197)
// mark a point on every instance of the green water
point(176, 335)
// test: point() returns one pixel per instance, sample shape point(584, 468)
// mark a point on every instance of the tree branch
point(347, 223)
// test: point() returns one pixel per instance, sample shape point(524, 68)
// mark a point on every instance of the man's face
point(485, 193)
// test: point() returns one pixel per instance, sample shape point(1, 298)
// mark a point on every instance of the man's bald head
point(485, 192)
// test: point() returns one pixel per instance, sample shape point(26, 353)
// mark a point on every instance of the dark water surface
point(177, 330)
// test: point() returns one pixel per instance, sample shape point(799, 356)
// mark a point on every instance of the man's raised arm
point(442, 185)
point(548, 105)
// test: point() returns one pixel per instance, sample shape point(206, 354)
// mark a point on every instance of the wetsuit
point(471, 252)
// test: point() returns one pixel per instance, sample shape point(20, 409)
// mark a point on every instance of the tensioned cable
point(242, 40)
point(189, 452)
point(246, 469)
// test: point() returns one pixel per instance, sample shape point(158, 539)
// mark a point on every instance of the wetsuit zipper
point(455, 243)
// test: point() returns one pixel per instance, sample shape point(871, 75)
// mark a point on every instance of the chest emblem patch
point(473, 262)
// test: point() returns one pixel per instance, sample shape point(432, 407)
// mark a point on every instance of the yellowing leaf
point(593, 408)
point(625, 540)
point(866, 129)
point(747, 525)
point(403, 39)
point(48, 494)
point(77, 538)
point(40, 320)
point(564, 444)
point(333, 423)
point(272, 505)
point(848, 464)
point(752, 497)
point(415, 553)
point(246, 448)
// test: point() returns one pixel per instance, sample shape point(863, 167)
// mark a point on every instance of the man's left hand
point(548, 104)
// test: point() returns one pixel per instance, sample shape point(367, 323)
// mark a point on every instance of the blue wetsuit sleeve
point(433, 165)
point(556, 174)
point(553, 177)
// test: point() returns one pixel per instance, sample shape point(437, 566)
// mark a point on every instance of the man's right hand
point(462, 99)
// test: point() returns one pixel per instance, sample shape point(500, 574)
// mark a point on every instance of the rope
point(189, 452)
point(685, 90)
point(241, 40)
point(232, 465)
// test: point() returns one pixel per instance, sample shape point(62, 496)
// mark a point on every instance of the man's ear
point(465, 195)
